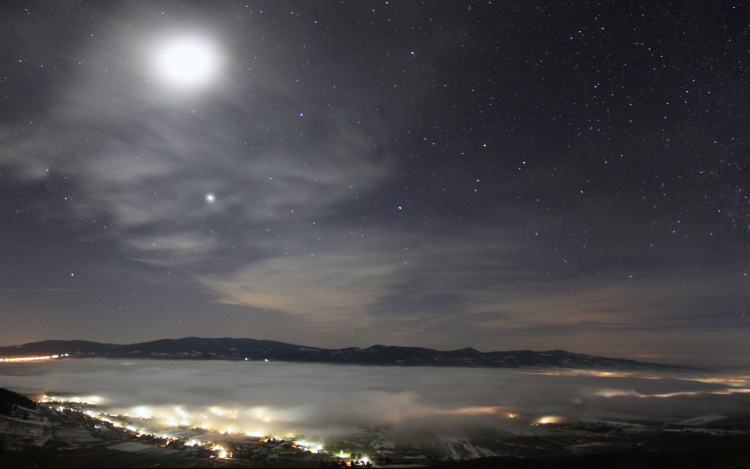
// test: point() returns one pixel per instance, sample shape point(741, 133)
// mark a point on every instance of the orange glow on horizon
point(27, 359)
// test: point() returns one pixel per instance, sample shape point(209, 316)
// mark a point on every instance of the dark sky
point(502, 175)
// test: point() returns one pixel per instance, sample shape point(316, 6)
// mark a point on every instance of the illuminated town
point(165, 437)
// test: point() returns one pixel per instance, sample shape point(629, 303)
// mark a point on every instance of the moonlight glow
point(187, 62)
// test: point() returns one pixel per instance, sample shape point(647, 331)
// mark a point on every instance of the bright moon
point(187, 62)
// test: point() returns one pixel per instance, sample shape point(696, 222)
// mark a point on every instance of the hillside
point(9, 399)
point(195, 348)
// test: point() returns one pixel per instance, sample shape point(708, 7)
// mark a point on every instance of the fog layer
point(265, 398)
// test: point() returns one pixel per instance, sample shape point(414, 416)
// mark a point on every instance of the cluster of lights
point(102, 417)
point(121, 421)
point(341, 455)
point(733, 381)
point(598, 374)
point(91, 400)
point(313, 447)
point(221, 450)
point(550, 420)
point(631, 393)
point(139, 432)
point(32, 359)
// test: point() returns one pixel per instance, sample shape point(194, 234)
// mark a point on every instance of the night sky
point(501, 175)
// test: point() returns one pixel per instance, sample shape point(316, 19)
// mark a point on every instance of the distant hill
point(195, 348)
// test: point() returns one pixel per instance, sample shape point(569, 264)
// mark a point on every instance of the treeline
point(9, 399)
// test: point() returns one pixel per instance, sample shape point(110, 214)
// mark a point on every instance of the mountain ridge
point(227, 348)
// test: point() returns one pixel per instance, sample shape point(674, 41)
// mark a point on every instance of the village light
point(549, 419)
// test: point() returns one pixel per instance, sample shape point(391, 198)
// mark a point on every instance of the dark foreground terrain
point(56, 434)
point(196, 348)
point(665, 450)
point(697, 451)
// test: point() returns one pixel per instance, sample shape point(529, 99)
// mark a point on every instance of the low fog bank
point(265, 398)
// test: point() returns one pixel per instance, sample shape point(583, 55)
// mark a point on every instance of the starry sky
point(501, 175)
